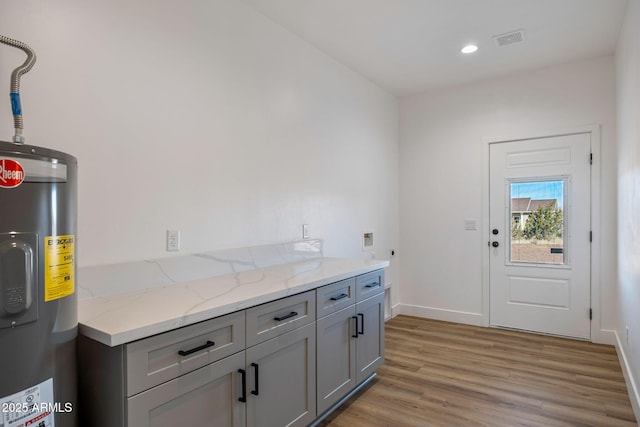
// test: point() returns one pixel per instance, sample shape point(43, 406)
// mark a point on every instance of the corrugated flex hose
point(16, 106)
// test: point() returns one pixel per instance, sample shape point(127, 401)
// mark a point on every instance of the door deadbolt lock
point(495, 244)
point(495, 231)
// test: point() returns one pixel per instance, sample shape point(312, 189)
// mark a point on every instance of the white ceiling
point(409, 46)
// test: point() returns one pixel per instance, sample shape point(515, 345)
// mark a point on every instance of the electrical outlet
point(173, 240)
point(305, 231)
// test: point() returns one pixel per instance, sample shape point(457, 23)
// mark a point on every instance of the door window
point(538, 221)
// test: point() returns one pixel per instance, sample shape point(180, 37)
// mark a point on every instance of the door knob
point(495, 244)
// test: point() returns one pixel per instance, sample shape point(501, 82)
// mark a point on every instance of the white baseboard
point(632, 386)
point(439, 314)
point(605, 336)
point(395, 310)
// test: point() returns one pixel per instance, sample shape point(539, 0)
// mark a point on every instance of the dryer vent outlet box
point(367, 241)
point(514, 37)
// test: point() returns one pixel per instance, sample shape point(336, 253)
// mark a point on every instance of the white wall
point(442, 157)
point(206, 117)
point(628, 103)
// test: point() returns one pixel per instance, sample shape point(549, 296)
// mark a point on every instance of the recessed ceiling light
point(470, 48)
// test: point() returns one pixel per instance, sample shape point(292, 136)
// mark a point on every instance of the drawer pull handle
point(281, 318)
point(372, 285)
point(361, 331)
point(255, 390)
point(339, 297)
point(243, 398)
point(193, 350)
point(355, 330)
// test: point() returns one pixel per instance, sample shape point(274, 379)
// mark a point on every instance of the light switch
point(470, 224)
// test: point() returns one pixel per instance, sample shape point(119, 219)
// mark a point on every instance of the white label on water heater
point(33, 407)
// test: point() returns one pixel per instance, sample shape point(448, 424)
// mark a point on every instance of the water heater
point(38, 303)
point(38, 300)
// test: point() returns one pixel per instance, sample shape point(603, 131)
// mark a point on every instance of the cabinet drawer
point(160, 358)
point(274, 318)
point(335, 296)
point(370, 284)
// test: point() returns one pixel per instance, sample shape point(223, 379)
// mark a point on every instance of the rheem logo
point(11, 173)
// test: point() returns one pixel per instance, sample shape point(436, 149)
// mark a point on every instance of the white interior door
point(540, 221)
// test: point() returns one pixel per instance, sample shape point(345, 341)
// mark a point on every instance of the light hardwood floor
point(446, 374)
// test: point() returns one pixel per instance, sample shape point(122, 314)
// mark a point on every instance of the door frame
point(598, 335)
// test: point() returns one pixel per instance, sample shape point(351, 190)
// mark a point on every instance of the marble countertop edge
point(126, 317)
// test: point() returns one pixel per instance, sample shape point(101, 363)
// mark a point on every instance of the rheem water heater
point(38, 301)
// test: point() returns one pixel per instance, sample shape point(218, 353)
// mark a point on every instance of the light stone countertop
point(126, 316)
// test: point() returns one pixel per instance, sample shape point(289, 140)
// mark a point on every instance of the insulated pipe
point(16, 107)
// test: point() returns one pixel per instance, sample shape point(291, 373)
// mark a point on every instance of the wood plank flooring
point(446, 374)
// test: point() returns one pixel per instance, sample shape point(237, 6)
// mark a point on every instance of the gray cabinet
point(208, 396)
point(350, 340)
point(271, 365)
point(369, 284)
point(157, 359)
point(178, 375)
point(277, 317)
point(370, 341)
point(336, 357)
point(279, 389)
point(281, 362)
point(281, 377)
point(333, 297)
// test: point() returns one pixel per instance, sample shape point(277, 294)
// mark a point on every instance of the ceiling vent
point(513, 37)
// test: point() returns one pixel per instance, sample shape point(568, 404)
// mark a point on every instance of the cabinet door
point(370, 341)
point(281, 380)
point(336, 362)
point(202, 398)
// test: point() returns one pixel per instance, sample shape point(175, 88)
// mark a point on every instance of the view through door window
point(537, 222)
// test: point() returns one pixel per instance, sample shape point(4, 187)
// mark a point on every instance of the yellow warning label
point(59, 262)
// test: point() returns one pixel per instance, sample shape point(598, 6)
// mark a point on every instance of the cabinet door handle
point(339, 297)
point(281, 318)
point(193, 350)
point(243, 398)
point(255, 390)
point(372, 285)
point(361, 331)
point(355, 330)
